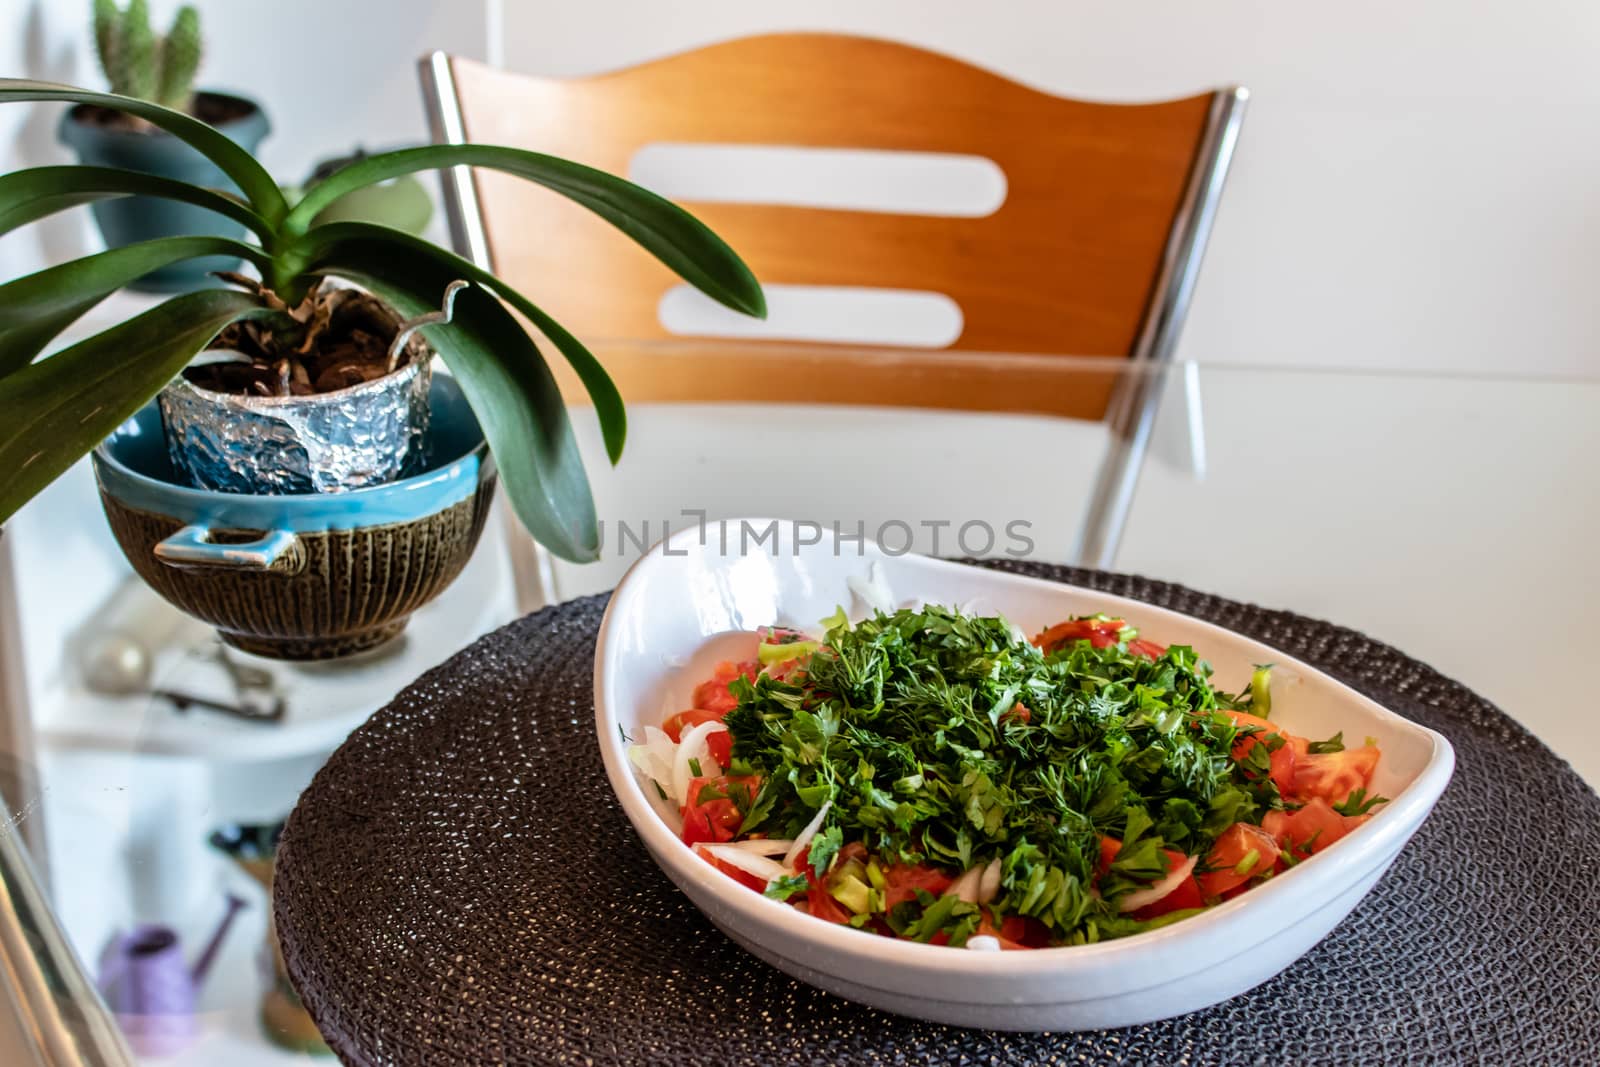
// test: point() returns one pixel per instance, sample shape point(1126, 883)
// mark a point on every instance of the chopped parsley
point(787, 886)
point(1332, 744)
point(909, 723)
point(1358, 803)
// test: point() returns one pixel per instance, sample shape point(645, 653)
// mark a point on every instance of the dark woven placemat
point(458, 886)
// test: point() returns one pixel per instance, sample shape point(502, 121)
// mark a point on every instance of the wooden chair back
point(1090, 254)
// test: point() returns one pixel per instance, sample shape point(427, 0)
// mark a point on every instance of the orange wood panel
point(681, 372)
point(1065, 265)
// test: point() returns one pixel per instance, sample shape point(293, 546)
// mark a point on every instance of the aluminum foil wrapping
point(362, 435)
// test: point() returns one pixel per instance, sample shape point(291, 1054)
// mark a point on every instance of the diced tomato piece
point(713, 694)
point(1316, 826)
point(1284, 760)
point(1109, 847)
point(987, 929)
point(1101, 633)
point(1015, 932)
point(1148, 649)
point(1245, 742)
point(1024, 931)
point(1185, 895)
point(715, 820)
point(1284, 757)
point(1018, 712)
point(1333, 776)
point(823, 906)
point(676, 724)
point(820, 901)
point(1311, 829)
point(850, 850)
point(788, 670)
point(720, 744)
point(744, 878)
point(1233, 849)
point(902, 880)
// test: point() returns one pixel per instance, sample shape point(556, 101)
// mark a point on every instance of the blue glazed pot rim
point(244, 125)
point(447, 482)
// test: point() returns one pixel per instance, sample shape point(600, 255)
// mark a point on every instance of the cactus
point(180, 59)
point(137, 62)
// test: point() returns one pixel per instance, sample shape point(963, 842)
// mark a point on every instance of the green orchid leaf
point(506, 381)
point(662, 228)
point(602, 390)
point(61, 407)
point(238, 164)
point(37, 307)
point(26, 195)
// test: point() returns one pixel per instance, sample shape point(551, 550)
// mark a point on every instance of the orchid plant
point(55, 409)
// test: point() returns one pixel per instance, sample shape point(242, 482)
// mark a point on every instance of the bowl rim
point(1359, 852)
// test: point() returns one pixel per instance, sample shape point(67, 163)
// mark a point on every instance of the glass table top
point(1454, 517)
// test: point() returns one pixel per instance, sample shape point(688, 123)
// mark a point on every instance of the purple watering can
point(151, 989)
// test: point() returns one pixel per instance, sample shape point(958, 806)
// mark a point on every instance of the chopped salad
point(934, 775)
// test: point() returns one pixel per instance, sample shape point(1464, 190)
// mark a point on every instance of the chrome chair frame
point(1132, 414)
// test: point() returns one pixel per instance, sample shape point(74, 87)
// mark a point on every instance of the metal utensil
point(244, 710)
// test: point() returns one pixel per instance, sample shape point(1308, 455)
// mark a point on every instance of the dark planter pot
point(129, 219)
point(308, 575)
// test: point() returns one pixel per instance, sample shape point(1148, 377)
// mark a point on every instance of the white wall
point(1415, 186)
point(332, 75)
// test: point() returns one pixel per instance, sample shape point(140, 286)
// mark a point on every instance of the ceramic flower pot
point(126, 220)
point(301, 576)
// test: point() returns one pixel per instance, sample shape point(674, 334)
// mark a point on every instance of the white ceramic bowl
point(671, 619)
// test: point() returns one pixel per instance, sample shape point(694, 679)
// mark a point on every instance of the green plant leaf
point(253, 179)
point(60, 408)
point(665, 230)
point(26, 195)
point(601, 389)
point(37, 307)
point(506, 381)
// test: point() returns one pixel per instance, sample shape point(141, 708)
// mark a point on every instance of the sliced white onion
point(873, 589)
point(989, 882)
point(966, 887)
point(1150, 894)
point(764, 846)
point(655, 756)
point(692, 746)
point(983, 943)
point(804, 838)
point(760, 866)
